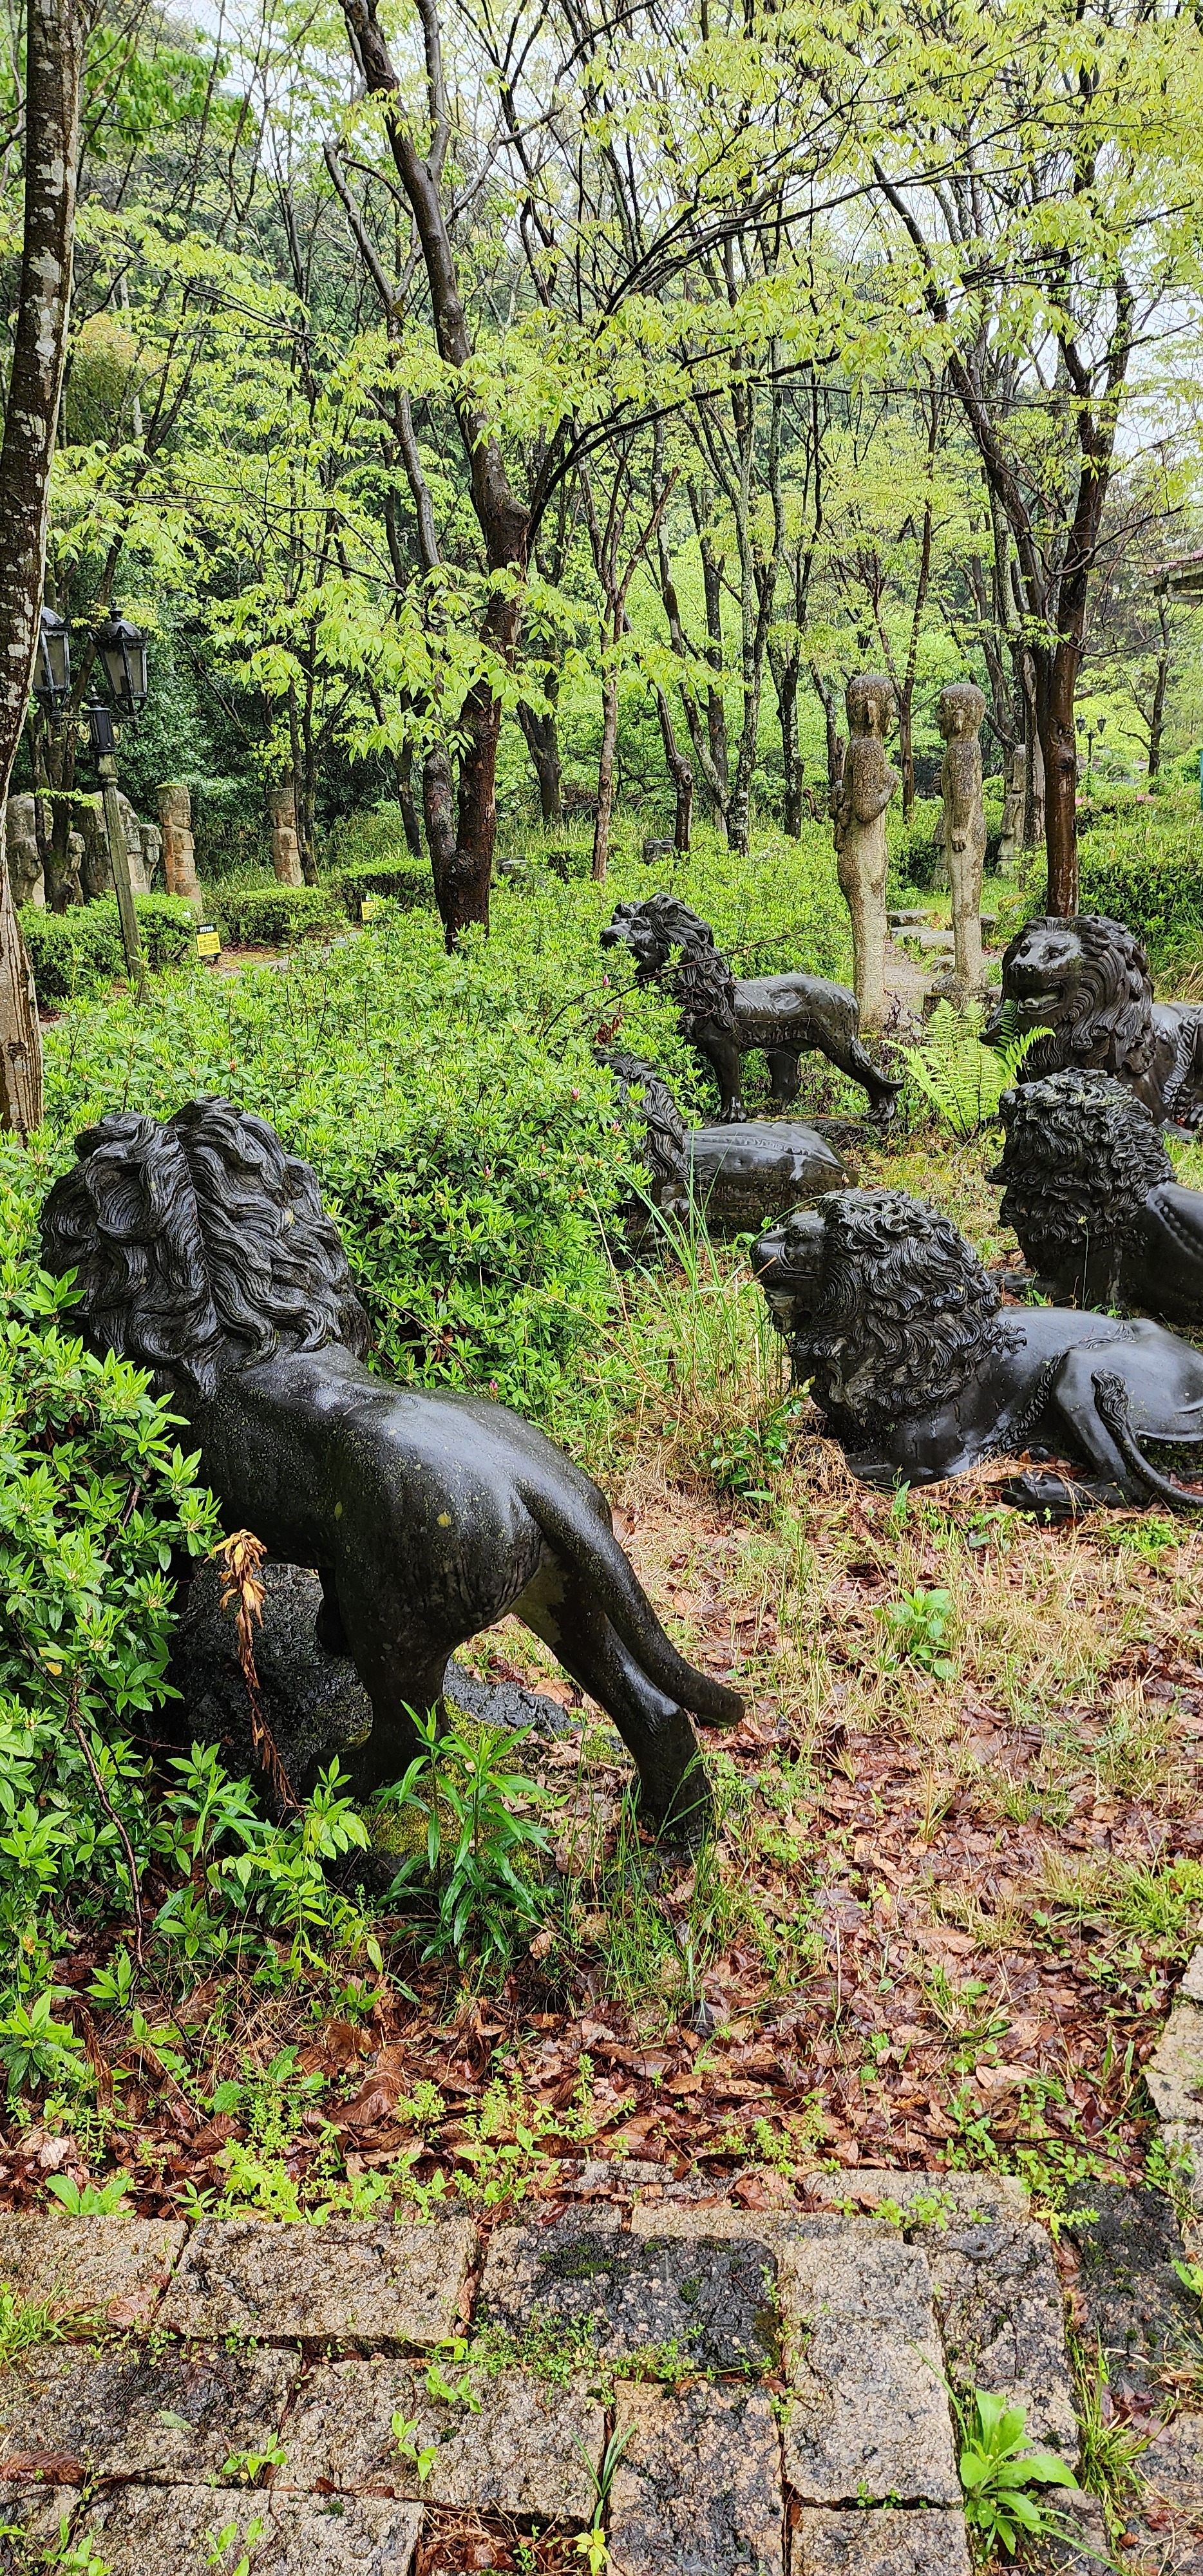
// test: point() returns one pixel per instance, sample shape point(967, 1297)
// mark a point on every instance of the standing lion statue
point(1087, 982)
point(1092, 1195)
point(897, 1329)
point(202, 1253)
point(727, 1017)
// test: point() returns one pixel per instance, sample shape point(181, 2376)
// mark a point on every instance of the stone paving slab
point(697, 2491)
point(1001, 2309)
point(1174, 2072)
point(724, 2221)
point(348, 2280)
point(868, 2418)
point(152, 2531)
point(884, 2543)
point(31, 2517)
point(1135, 2303)
point(924, 2198)
point(713, 2300)
point(518, 2455)
point(116, 2263)
point(175, 2412)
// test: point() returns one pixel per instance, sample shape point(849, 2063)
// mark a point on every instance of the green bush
point(403, 880)
point(71, 952)
point(1156, 890)
point(95, 1495)
point(274, 916)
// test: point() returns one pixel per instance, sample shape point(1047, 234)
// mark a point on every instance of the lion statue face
point(1087, 982)
point(885, 1307)
point(652, 930)
point(1081, 1156)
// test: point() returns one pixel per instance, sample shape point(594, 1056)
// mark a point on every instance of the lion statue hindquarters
point(727, 1017)
point(732, 1178)
point(1090, 1191)
point(1087, 982)
point(202, 1253)
point(898, 1330)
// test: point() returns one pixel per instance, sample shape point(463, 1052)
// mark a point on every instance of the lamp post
point(122, 650)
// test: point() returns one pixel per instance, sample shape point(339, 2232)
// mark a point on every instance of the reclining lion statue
point(202, 1252)
point(727, 1018)
point(732, 1178)
point(898, 1330)
point(1093, 1197)
point(1087, 982)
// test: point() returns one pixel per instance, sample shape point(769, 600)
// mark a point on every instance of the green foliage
point(260, 913)
point(744, 1455)
point(89, 2199)
point(918, 1626)
point(469, 1877)
point(1150, 878)
point(465, 1139)
point(24, 2323)
point(71, 952)
point(996, 2467)
point(963, 1079)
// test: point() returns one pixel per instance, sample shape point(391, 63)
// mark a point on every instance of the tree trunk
point(461, 885)
point(541, 734)
point(1056, 674)
point(829, 702)
point(785, 668)
point(405, 798)
point(1157, 713)
point(906, 751)
point(56, 37)
point(605, 770)
point(680, 773)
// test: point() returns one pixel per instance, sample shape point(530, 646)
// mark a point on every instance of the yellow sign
point(208, 941)
point(370, 903)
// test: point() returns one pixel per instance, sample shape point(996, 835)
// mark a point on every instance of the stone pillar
point(286, 847)
point(179, 852)
point(858, 812)
point(959, 716)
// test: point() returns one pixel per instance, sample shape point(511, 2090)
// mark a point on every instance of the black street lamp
point(122, 649)
point(52, 664)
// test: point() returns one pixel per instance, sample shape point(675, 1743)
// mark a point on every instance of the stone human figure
point(959, 715)
point(858, 812)
point(24, 855)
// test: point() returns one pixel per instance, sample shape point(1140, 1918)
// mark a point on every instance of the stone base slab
point(346, 2281)
point(518, 2454)
point(697, 2491)
point(149, 2531)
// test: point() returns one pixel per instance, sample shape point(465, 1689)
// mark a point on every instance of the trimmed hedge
point(274, 916)
point(1157, 893)
point(71, 952)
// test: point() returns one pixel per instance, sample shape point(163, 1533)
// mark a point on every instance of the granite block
point(517, 2455)
point(118, 2264)
point(133, 2411)
point(348, 2280)
point(176, 2531)
point(697, 2491)
point(620, 2294)
point(868, 2418)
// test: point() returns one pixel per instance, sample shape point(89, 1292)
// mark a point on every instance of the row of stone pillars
point(858, 813)
point(179, 848)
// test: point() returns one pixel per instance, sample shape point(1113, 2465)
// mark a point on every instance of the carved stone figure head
point(885, 1307)
point(960, 710)
point(1087, 982)
point(200, 1245)
point(1081, 1156)
point(870, 702)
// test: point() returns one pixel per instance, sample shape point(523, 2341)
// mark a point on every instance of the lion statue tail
point(1111, 1405)
point(596, 1553)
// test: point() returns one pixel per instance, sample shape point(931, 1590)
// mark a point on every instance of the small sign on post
point(208, 940)
point(369, 904)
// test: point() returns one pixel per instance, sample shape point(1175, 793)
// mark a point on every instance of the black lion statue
point(897, 1328)
point(734, 1177)
point(203, 1253)
point(725, 1018)
point(1087, 982)
point(1091, 1193)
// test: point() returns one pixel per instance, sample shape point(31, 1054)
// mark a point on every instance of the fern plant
point(962, 1078)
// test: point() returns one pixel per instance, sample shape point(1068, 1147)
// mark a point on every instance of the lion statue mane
point(906, 1313)
point(199, 1245)
point(1081, 1156)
